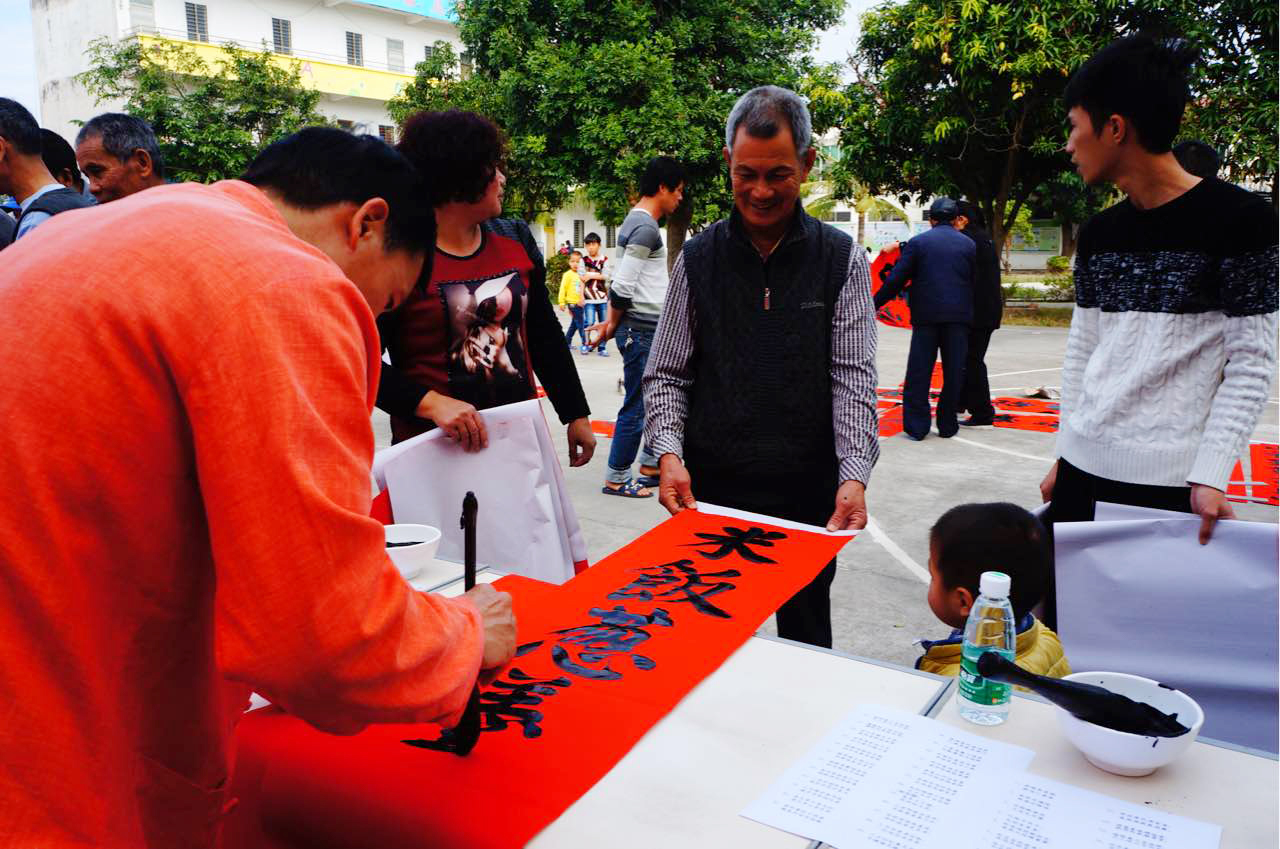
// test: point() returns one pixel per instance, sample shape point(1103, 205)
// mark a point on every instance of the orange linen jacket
point(184, 500)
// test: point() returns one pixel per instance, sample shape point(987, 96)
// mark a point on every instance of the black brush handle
point(470, 507)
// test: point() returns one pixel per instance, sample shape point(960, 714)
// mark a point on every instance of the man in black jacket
point(760, 386)
point(939, 265)
point(988, 309)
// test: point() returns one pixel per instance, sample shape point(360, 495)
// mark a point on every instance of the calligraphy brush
point(467, 733)
point(1086, 702)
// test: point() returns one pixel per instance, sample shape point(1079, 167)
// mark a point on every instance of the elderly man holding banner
point(760, 388)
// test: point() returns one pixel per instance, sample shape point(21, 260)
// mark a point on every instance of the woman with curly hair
point(481, 325)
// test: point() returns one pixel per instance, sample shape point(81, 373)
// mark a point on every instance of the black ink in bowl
point(403, 544)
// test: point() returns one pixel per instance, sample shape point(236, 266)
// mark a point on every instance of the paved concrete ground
point(878, 598)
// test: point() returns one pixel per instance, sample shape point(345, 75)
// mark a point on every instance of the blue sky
point(18, 77)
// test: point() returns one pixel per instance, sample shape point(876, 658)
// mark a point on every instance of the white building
point(358, 55)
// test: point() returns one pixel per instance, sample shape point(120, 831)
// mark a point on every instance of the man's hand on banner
point(499, 624)
point(675, 489)
point(582, 442)
point(1210, 505)
point(456, 418)
point(851, 508)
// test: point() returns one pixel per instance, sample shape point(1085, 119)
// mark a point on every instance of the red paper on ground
point(1044, 424)
point(1264, 470)
point(891, 421)
point(1027, 405)
point(603, 658)
point(895, 313)
point(602, 428)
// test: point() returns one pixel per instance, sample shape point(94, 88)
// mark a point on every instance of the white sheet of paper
point(430, 469)
point(1143, 596)
point(516, 528)
point(886, 778)
point(1031, 812)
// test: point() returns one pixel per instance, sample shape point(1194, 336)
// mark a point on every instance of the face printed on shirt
point(486, 352)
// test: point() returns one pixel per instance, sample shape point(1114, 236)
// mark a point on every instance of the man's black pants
point(976, 395)
point(1076, 494)
point(926, 341)
point(806, 617)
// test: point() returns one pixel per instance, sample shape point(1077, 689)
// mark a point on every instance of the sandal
point(630, 489)
point(649, 481)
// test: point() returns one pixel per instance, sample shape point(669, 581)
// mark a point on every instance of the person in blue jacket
point(937, 270)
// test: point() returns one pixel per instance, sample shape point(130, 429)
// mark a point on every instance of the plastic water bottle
point(990, 628)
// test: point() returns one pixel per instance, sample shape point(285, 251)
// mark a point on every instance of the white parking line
point(895, 552)
point(1025, 371)
point(1003, 450)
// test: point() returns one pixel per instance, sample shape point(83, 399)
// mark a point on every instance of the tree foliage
point(963, 97)
point(210, 119)
point(589, 90)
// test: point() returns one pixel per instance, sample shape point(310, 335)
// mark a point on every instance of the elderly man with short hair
point(120, 156)
point(760, 390)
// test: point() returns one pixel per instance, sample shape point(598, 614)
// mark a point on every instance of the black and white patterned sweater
point(1172, 348)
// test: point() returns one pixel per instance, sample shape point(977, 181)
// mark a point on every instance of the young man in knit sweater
point(1173, 342)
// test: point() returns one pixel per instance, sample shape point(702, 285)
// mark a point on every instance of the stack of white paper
point(887, 779)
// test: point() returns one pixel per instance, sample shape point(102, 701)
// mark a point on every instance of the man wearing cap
point(937, 270)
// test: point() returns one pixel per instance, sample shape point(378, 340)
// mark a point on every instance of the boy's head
point(975, 538)
point(592, 243)
point(575, 257)
point(1128, 99)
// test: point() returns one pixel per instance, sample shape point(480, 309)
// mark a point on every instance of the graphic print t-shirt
point(594, 291)
point(465, 335)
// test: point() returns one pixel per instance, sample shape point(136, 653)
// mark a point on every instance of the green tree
point(209, 119)
point(589, 90)
point(1237, 86)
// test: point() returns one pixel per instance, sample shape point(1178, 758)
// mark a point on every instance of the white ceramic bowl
point(1132, 754)
point(412, 559)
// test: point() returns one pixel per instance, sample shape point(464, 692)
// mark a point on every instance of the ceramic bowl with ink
point(1132, 754)
point(412, 547)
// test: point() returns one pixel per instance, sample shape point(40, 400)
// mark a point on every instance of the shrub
point(557, 265)
point(1059, 287)
point(1058, 264)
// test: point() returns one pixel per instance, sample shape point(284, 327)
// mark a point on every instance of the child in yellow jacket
point(975, 538)
point(571, 299)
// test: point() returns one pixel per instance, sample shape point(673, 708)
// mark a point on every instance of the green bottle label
point(973, 686)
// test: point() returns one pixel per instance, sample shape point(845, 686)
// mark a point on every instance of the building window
point(843, 215)
point(395, 55)
point(281, 36)
point(467, 65)
point(387, 133)
point(142, 15)
point(355, 48)
point(579, 231)
point(349, 126)
point(197, 22)
point(610, 236)
point(428, 52)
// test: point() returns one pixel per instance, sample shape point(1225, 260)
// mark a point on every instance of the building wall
point(64, 28)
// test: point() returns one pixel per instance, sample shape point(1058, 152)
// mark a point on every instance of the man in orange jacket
point(184, 492)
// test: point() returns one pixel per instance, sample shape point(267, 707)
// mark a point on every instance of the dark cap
point(943, 209)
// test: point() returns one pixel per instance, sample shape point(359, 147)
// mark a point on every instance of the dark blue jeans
point(594, 314)
point(577, 324)
point(628, 429)
point(926, 340)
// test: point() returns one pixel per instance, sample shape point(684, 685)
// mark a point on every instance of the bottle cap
point(994, 584)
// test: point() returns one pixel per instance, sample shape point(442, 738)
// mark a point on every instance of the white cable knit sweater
point(1172, 348)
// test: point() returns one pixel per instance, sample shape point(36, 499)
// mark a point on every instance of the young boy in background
point(571, 299)
point(975, 538)
point(595, 289)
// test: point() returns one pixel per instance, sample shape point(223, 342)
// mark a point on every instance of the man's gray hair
point(763, 110)
point(123, 134)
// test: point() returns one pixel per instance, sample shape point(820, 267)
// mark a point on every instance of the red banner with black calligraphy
point(602, 658)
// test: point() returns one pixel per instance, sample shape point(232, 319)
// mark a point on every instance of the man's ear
point(146, 167)
point(807, 161)
point(964, 599)
point(1117, 129)
point(369, 221)
point(728, 158)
